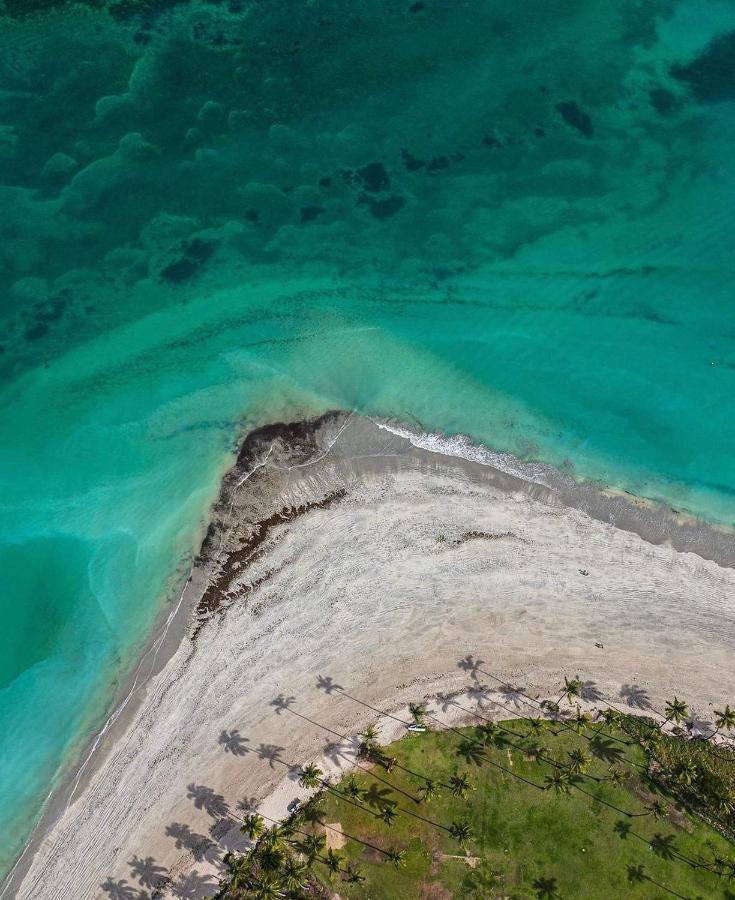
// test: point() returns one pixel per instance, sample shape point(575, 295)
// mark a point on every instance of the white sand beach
point(415, 561)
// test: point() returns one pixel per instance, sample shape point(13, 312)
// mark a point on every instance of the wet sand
point(341, 554)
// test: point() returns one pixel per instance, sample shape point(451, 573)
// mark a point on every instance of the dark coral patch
point(437, 163)
point(374, 178)
point(411, 162)
point(194, 254)
point(576, 117)
point(309, 213)
point(663, 101)
point(711, 75)
point(384, 209)
point(36, 331)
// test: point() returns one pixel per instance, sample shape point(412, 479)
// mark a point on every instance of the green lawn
point(530, 842)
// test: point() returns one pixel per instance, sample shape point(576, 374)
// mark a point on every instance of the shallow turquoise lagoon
point(513, 223)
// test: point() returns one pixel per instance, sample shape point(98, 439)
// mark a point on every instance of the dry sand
point(415, 561)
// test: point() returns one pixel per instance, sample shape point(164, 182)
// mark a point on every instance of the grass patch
point(521, 809)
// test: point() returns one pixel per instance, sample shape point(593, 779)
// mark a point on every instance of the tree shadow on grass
point(605, 749)
point(663, 845)
point(379, 798)
point(545, 888)
point(471, 753)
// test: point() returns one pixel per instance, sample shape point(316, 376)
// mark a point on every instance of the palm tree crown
point(725, 718)
point(579, 761)
point(572, 688)
point(333, 862)
point(459, 785)
point(461, 832)
point(676, 710)
point(310, 776)
point(428, 790)
point(397, 857)
point(253, 826)
point(388, 815)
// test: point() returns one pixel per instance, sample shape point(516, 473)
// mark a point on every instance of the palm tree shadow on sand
point(205, 798)
point(193, 886)
point(201, 847)
point(233, 742)
point(122, 890)
point(148, 873)
point(635, 696)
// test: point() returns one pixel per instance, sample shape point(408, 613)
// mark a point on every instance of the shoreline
point(307, 444)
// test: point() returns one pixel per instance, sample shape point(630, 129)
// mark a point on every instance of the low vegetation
point(557, 806)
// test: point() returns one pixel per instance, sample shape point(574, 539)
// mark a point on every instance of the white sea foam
point(461, 446)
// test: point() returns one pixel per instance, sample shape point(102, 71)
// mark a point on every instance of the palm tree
point(418, 712)
point(579, 761)
point(537, 725)
point(353, 874)
point(723, 719)
point(459, 785)
point(572, 688)
point(241, 869)
point(726, 805)
point(310, 776)
point(461, 832)
point(687, 773)
point(369, 735)
point(309, 811)
point(611, 717)
point(369, 743)
point(268, 887)
point(658, 809)
point(617, 775)
point(388, 814)
point(582, 721)
point(294, 876)
point(333, 862)
point(397, 857)
point(560, 781)
point(312, 845)
point(253, 826)
point(486, 732)
point(676, 711)
point(428, 790)
point(353, 790)
point(271, 857)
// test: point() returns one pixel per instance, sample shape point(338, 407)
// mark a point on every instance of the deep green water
point(509, 220)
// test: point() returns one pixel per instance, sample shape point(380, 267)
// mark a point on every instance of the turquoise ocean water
point(513, 221)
